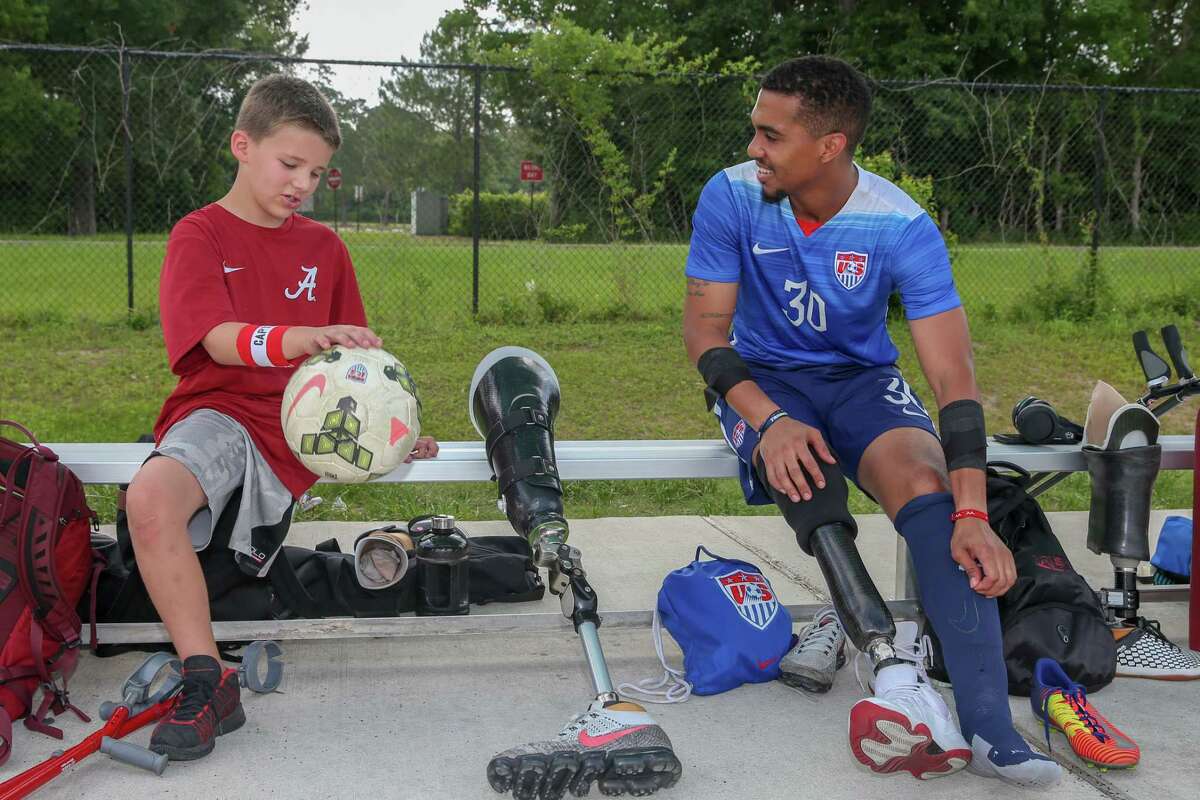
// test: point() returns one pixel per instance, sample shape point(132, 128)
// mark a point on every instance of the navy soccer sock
point(967, 624)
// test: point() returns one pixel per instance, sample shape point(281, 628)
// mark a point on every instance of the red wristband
point(963, 513)
point(262, 346)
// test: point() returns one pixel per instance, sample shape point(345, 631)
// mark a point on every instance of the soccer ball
point(351, 414)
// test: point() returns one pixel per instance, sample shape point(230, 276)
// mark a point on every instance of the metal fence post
point(128, 137)
point(475, 200)
point(1098, 177)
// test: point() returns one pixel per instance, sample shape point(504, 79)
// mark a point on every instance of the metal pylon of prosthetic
point(579, 603)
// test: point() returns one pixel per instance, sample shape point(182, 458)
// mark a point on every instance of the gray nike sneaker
point(619, 746)
point(820, 651)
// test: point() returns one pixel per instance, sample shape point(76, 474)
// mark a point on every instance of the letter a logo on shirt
point(309, 284)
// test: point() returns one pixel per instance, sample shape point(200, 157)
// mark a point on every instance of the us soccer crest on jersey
point(850, 268)
point(751, 595)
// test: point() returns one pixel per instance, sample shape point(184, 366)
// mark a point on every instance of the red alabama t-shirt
point(220, 268)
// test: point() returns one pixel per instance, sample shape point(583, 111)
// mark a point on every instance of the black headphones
point(1038, 423)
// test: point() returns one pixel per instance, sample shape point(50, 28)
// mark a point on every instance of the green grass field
point(73, 368)
point(402, 276)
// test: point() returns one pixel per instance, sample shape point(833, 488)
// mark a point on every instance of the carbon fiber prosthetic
point(825, 529)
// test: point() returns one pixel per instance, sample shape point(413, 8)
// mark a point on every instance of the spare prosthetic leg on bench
point(1119, 526)
point(1123, 458)
point(513, 400)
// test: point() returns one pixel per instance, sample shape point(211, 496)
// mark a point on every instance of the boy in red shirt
point(248, 287)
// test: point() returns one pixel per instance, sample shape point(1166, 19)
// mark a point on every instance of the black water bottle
point(443, 556)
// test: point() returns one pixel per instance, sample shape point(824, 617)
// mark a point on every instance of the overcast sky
point(367, 30)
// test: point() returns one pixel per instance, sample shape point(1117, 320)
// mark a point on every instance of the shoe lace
point(576, 723)
point(1154, 628)
point(916, 653)
point(1077, 698)
point(194, 695)
point(822, 635)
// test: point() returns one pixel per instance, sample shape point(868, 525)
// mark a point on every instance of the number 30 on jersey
point(809, 306)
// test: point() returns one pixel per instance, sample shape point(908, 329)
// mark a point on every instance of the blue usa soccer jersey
point(819, 298)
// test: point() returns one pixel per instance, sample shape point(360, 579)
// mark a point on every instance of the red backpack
point(46, 559)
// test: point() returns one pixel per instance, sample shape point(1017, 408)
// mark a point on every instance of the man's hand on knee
point(787, 450)
point(982, 555)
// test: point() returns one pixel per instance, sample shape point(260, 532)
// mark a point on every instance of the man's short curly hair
point(834, 96)
point(283, 100)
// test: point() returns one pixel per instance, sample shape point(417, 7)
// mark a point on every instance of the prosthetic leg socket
point(1119, 519)
point(1122, 482)
point(513, 399)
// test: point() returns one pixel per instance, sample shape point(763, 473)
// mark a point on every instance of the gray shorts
point(219, 452)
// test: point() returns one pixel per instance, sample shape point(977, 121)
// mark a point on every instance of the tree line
point(630, 105)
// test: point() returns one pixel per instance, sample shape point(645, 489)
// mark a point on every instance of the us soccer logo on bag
point(751, 595)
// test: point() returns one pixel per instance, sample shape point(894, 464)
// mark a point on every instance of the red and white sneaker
point(906, 726)
point(619, 746)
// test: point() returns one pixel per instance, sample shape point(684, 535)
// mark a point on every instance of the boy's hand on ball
point(316, 340)
point(425, 447)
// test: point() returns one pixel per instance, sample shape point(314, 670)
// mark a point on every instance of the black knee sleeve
point(825, 529)
point(827, 506)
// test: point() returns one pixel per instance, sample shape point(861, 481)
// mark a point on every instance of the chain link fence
point(1056, 200)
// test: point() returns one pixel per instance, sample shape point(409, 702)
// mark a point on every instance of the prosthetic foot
point(618, 746)
point(513, 400)
point(905, 726)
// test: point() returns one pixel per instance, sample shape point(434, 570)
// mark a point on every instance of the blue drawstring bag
point(726, 619)
point(1173, 553)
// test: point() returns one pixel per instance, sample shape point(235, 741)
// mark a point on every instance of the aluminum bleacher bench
point(98, 463)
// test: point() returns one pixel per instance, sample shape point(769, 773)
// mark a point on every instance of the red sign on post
point(531, 172)
point(333, 178)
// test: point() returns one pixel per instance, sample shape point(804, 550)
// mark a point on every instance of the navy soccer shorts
point(850, 405)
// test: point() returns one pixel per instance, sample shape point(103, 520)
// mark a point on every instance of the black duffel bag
point(314, 583)
point(1051, 611)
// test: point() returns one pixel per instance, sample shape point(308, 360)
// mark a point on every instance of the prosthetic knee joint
point(1119, 519)
point(825, 529)
point(514, 398)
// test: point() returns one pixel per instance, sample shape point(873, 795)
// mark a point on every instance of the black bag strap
point(1019, 494)
point(290, 590)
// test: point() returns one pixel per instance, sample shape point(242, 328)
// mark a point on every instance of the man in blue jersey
point(793, 257)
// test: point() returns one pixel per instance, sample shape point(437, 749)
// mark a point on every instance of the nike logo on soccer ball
point(315, 382)
point(229, 269)
point(759, 250)
point(587, 740)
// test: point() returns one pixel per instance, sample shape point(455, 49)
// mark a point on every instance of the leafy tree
point(177, 107)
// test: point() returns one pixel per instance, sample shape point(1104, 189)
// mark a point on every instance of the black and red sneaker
point(210, 705)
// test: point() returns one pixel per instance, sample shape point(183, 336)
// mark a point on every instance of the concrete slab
point(420, 717)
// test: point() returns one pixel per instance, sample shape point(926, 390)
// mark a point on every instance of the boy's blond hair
point(283, 100)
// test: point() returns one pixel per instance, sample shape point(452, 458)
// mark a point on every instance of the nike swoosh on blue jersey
point(758, 250)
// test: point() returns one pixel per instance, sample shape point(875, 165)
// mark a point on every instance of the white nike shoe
point(906, 726)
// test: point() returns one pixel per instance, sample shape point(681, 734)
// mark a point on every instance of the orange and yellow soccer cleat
point(1062, 704)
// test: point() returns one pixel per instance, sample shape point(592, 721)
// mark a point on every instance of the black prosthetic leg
point(825, 529)
point(1119, 520)
point(514, 398)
